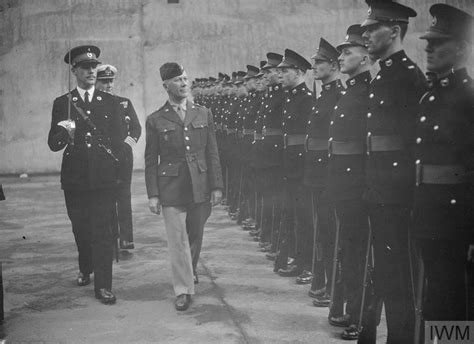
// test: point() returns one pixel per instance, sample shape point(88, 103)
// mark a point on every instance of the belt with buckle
point(248, 132)
point(440, 174)
point(346, 147)
point(315, 144)
point(384, 143)
point(231, 131)
point(272, 132)
point(293, 140)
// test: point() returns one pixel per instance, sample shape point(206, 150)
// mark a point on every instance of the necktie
point(180, 112)
point(86, 98)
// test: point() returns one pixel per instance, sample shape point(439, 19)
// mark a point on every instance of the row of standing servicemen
point(366, 191)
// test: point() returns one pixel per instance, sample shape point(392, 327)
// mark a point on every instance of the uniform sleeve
point(58, 136)
point(212, 156)
point(118, 146)
point(135, 127)
point(152, 151)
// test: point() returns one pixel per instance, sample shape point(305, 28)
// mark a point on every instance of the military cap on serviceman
point(106, 71)
point(82, 54)
point(326, 52)
point(170, 70)
point(252, 72)
point(273, 60)
point(353, 37)
point(294, 60)
point(220, 76)
point(387, 11)
point(449, 22)
point(239, 77)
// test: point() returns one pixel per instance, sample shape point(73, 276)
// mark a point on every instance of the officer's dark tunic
point(315, 177)
point(393, 106)
point(346, 183)
point(89, 178)
point(443, 206)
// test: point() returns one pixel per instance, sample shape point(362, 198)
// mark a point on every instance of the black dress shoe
point(343, 321)
point(317, 293)
point(290, 271)
point(126, 245)
point(83, 279)
point(182, 302)
point(264, 243)
point(105, 296)
point(266, 248)
point(271, 255)
point(350, 333)
point(306, 277)
point(322, 301)
point(196, 278)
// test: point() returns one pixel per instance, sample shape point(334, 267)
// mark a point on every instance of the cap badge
point(434, 21)
point(347, 37)
point(89, 55)
point(369, 12)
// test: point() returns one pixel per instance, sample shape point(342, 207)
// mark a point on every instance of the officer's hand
point(130, 141)
point(216, 197)
point(470, 254)
point(69, 125)
point(154, 205)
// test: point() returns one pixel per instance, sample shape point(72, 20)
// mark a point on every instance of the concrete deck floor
point(239, 299)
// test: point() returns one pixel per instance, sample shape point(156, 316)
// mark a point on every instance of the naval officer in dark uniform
point(443, 209)
point(86, 122)
point(131, 133)
point(183, 176)
point(393, 104)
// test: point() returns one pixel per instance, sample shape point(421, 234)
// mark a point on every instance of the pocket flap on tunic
point(168, 169)
point(199, 124)
point(166, 129)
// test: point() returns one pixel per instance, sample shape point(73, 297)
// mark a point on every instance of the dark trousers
point(446, 288)
point(90, 213)
point(323, 229)
point(392, 280)
point(122, 216)
point(353, 218)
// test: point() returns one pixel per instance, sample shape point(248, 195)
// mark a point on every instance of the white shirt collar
point(83, 91)
point(183, 104)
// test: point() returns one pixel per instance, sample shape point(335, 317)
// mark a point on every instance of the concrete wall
point(137, 36)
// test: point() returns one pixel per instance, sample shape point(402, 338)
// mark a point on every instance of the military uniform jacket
point(84, 167)
point(393, 105)
point(132, 129)
point(181, 159)
point(269, 151)
point(315, 165)
point(254, 100)
point(444, 149)
point(297, 108)
point(346, 172)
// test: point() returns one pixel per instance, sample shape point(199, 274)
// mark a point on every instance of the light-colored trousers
point(184, 228)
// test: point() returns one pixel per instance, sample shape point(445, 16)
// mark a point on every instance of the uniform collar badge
point(389, 62)
point(99, 98)
point(352, 82)
point(276, 88)
point(444, 82)
point(74, 99)
point(327, 87)
point(294, 91)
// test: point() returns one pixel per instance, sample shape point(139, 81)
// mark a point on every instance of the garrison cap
point(383, 11)
point(220, 76)
point(106, 71)
point(353, 37)
point(273, 60)
point(252, 72)
point(239, 77)
point(82, 54)
point(262, 63)
point(170, 70)
point(294, 60)
point(325, 52)
point(449, 22)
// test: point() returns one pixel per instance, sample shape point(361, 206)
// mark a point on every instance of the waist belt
point(272, 132)
point(248, 132)
point(440, 174)
point(315, 144)
point(346, 147)
point(384, 143)
point(257, 137)
point(293, 140)
point(231, 131)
